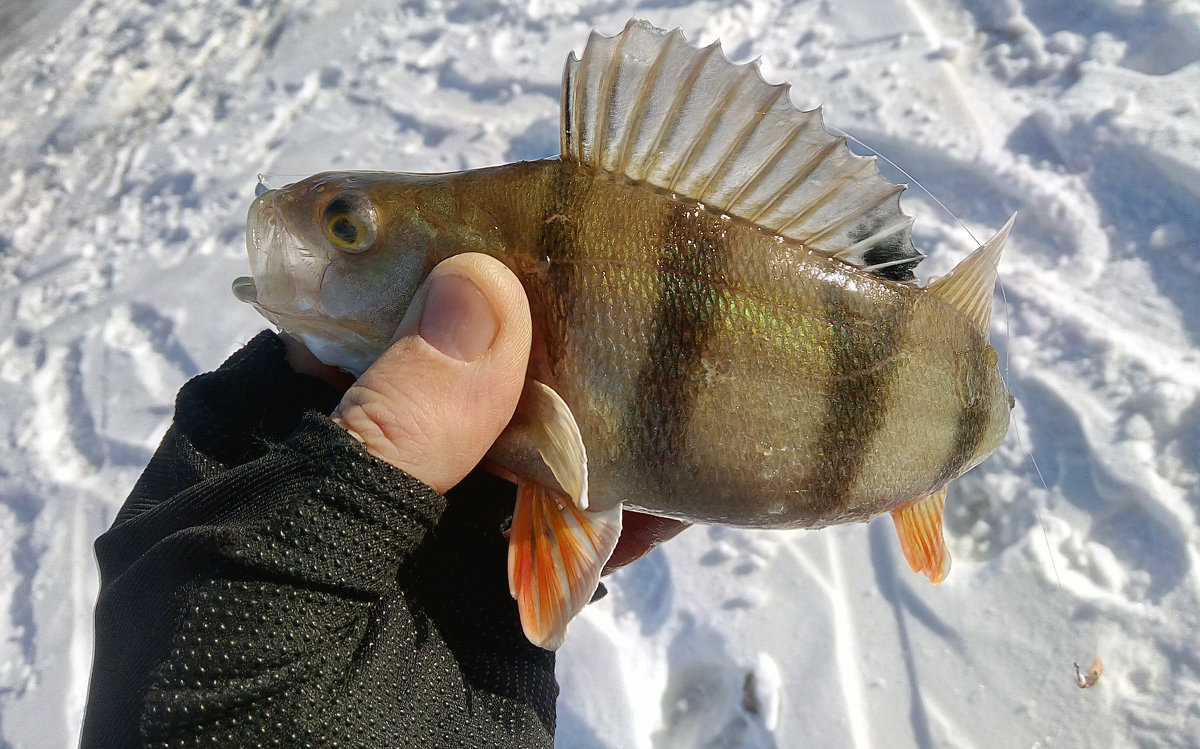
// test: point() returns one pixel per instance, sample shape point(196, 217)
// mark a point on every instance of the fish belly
point(721, 374)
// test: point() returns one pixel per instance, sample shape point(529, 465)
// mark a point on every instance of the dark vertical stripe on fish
point(972, 419)
point(556, 244)
point(862, 369)
point(691, 280)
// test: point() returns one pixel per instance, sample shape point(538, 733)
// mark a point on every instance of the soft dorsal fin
point(969, 286)
point(650, 107)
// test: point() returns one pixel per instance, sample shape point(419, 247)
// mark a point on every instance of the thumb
point(440, 395)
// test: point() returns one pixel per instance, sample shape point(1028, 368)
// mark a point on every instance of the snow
point(131, 135)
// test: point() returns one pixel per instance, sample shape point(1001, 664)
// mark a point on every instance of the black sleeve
point(270, 583)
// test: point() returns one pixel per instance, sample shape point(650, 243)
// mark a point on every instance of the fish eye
point(349, 222)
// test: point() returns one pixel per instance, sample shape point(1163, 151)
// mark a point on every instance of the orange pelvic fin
point(919, 525)
point(555, 554)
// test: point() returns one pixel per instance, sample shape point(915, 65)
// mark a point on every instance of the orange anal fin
point(919, 525)
point(555, 554)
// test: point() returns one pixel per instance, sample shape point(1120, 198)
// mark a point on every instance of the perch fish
point(727, 328)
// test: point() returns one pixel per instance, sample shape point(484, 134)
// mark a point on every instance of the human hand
point(436, 400)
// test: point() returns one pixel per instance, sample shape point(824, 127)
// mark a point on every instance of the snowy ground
point(130, 137)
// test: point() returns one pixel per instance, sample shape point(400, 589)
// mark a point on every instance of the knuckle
point(395, 425)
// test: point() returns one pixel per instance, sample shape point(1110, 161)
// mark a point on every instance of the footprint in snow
point(714, 702)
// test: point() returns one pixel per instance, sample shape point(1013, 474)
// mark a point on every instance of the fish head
point(336, 258)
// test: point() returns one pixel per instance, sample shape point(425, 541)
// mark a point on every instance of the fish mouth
point(286, 277)
point(260, 236)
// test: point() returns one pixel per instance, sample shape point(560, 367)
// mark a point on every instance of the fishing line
point(1021, 443)
point(1037, 510)
point(263, 177)
point(1097, 667)
point(1007, 331)
point(1093, 674)
point(915, 181)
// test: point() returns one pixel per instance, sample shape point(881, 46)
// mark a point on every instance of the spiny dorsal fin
point(650, 107)
point(970, 284)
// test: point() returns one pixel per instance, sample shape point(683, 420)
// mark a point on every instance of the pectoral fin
point(546, 421)
point(919, 526)
point(555, 554)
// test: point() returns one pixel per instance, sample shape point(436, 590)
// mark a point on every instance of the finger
point(640, 533)
point(436, 400)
